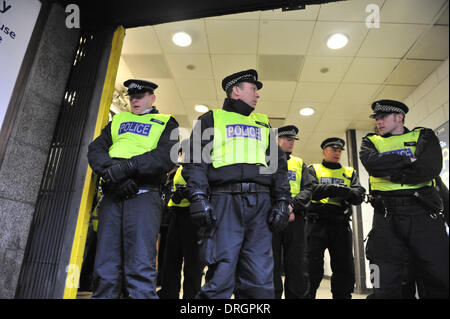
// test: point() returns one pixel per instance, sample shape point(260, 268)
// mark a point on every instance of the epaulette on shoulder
point(420, 128)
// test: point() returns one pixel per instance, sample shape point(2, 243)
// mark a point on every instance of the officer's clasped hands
point(120, 170)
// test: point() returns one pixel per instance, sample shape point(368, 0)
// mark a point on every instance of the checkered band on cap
point(291, 132)
point(379, 108)
point(239, 79)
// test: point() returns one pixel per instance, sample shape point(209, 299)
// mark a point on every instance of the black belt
point(240, 188)
point(396, 201)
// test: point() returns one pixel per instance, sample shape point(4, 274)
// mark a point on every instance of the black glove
point(202, 213)
point(120, 170)
point(279, 216)
point(354, 197)
point(179, 194)
point(337, 190)
point(126, 189)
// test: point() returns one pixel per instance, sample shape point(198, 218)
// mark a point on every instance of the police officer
point(408, 225)
point(328, 220)
point(290, 244)
point(181, 243)
point(236, 193)
point(132, 155)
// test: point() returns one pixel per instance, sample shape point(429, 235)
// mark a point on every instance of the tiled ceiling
point(289, 51)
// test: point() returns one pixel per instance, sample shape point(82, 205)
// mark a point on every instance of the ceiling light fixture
point(307, 111)
point(337, 41)
point(182, 39)
point(201, 108)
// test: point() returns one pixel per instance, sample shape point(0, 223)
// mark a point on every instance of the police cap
point(139, 86)
point(335, 142)
point(388, 106)
point(288, 131)
point(250, 76)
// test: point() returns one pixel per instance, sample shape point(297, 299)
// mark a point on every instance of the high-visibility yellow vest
point(136, 134)
point(295, 165)
point(327, 175)
point(405, 145)
point(178, 180)
point(239, 138)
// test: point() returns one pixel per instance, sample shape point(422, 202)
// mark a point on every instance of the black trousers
point(181, 244)
point(126, 239)
point(336, 236)
point(408, 234)
point(289, 245)
point(241, 253)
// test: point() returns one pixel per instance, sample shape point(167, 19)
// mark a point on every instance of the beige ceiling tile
point(354, 10)
point(395, 92)
point(337, 67)
point(226, 64)
point(285, 37)
point(272, 108)
point(235, 37)
point(410, 11)
point(192, 66)
point(198, 89)
point(328, 124)
point(413, 72)
point(277, 91)
point(443, 19)
point(433, 46)
point(355, 31)
point(195, 28)
point(350, 99)
point(308, 14)
point(167, 97)
point(390, 40)
point(370, 70)
point(254, 15)
point(363, 125)
point(307, 123)
point(279, 67)
point(123, 73)
point(147, 65)
point(141, 40)
point(315, 92)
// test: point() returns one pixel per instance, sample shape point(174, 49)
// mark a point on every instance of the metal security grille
point(41, 264)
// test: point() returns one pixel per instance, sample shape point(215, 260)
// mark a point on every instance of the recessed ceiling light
point(307, 111)
point(337, 41)
point(182, 39)
point(201, 108)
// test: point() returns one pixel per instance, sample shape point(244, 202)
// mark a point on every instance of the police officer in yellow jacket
point(181, 247)
point(290, 244)
point(236, 192)
point(132, 155)
point(408, 224)
point(328, 220)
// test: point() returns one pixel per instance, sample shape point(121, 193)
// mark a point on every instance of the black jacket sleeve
point(195, 170)
point(98, 151)
point(380, 165)
point(280, 187)
point(356, 194)
point(302, 200)
point(428, 164)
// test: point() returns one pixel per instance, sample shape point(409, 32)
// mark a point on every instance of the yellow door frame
point(84, 213)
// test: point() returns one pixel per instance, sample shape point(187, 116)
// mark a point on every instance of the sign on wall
point(442, 134)
point(17, 20)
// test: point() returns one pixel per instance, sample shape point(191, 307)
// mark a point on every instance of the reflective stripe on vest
point(295, 165)
point(239, 138)
point(326, 175)
point(178, 180)
point(405, 145)
point(136, 134)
